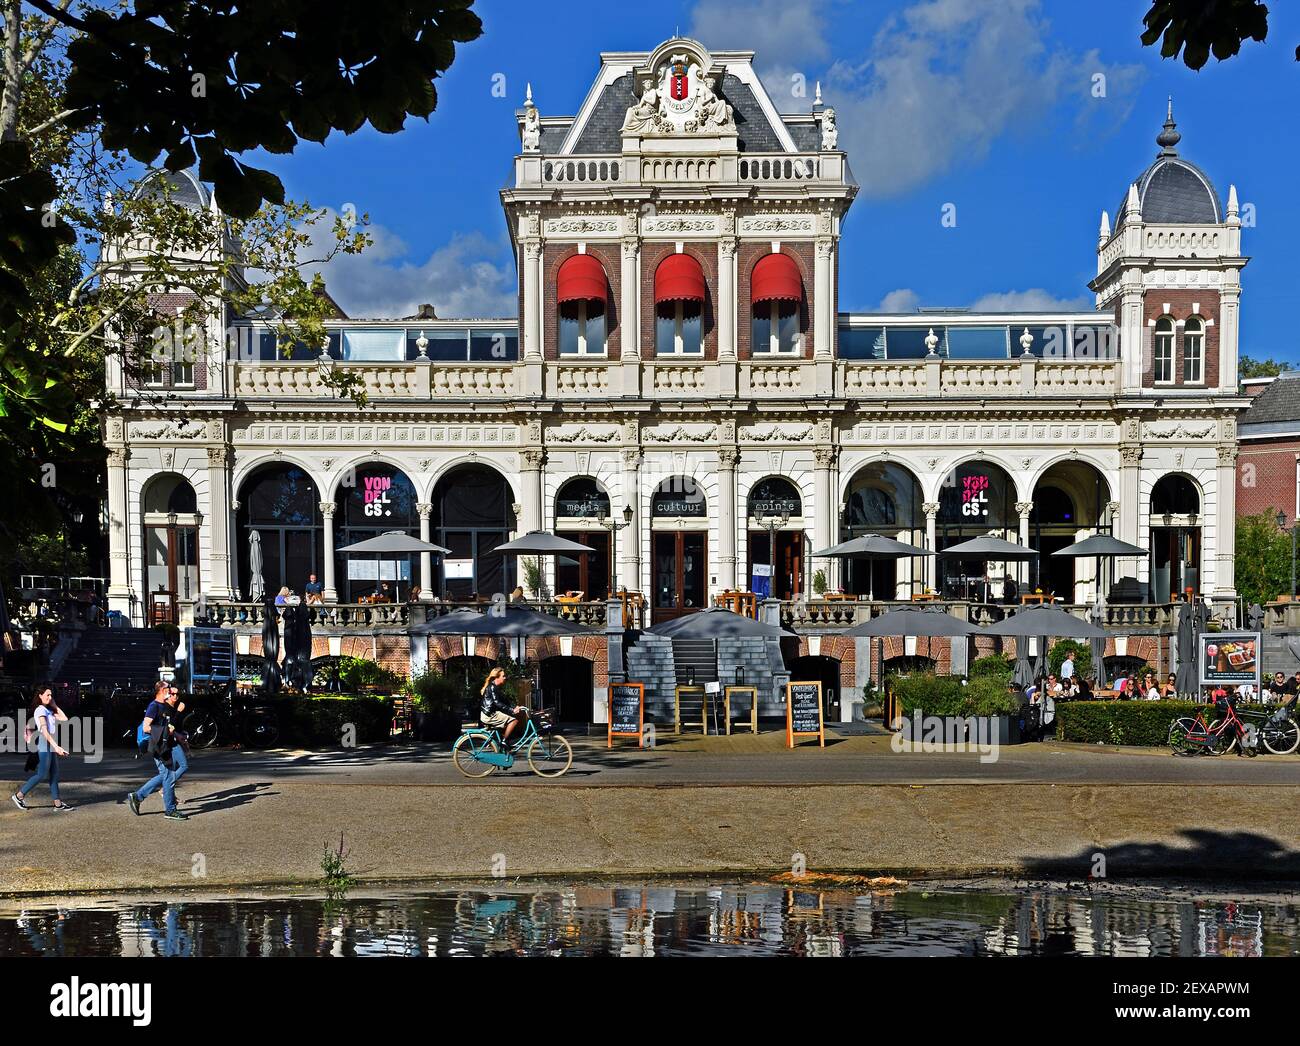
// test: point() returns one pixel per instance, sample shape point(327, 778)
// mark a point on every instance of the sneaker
point(18, 801)
point(176, 815)
point(63, 806)
point(133, 803)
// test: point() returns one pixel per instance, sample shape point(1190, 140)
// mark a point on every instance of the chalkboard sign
point(803, 712)
point(626, 712)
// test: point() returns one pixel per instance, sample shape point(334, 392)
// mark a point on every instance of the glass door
point(680, 573)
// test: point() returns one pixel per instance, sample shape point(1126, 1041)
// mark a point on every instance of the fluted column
point(532, 339)
point(1225, 529)
point(1024, 508)
point(426, 558)
point(530, 467)
point(824, 300)
point(825, 511)
point(727, 514)
point(1130, 505)
point(727, 319)
point(119, 557)
point(629, 570)
point(629, 320)
point(330, 592)
point(220, 583)
point(931, 510)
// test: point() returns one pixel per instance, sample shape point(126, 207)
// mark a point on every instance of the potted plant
point(819, 582)
point(532, 569)
point(438, 704)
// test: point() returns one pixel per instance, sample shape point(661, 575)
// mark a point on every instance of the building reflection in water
point(642, 920)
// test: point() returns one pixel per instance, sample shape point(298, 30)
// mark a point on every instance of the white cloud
point(942, 81)
point(1035, 299)
point(902, 300)
point(464, 278)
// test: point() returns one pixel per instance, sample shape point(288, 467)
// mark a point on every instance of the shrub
point(356, 673)
point(819, 583)
point(1120, 722)
point(318, 719)
point(436, 694)
point(997, 666)
point(946, 696)
point(1082, 657)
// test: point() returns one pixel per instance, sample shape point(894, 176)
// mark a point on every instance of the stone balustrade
point(833, 615)
point(652, 168)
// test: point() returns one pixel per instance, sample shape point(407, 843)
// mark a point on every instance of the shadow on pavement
point(1206, 853)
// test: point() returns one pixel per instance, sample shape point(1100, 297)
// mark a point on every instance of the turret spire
point(1168, 138)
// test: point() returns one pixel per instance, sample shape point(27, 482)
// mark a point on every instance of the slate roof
point(186, 189)
point(1278, 402)
point(1176, 191)
point(805, 134)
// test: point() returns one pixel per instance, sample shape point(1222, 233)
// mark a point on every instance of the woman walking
point(45, 713)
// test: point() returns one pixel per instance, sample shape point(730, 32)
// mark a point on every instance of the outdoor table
point(1105, 695)
point(923, 597)
point(836, 596)
point(1035, 597)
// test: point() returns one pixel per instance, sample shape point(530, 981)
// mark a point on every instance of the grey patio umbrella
point(1185, 677)
point(512, 621)
point(871, 546)
point(717, 623)
point(1097, 615)
point(1101, 546)
point(270, 649)
point(540, 543)
point(454, 624)
point(989, 547)
point(1044, 620)
point(1022, 673)
point(908, 622)
point(256, 586)
point(392, 542)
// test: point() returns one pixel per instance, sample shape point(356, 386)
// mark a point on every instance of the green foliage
point(992, 666)
point(318, 720)
point(1263, 554)
point(946, 696)
point(335, 877)
point(435, 693)
point(1249, 367)
point(532, 568)
point(1082, 657)
point(356, 673)
point(1120, 722)
point(819, 582)
point(1198, 28)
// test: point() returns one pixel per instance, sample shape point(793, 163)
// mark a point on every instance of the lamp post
point(772, 524)
point(1281, 525)
point(614, 526)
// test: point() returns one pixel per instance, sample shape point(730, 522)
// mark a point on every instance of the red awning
point(581, 278)
point(776, 278)
point(679, 278)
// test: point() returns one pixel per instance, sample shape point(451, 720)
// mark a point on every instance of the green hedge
point(1120, 722)
point(996, 666)
point(317, 721)
point(946, 696)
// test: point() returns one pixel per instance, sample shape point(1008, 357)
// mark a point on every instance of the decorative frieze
point(777, 224)
point(313, 434)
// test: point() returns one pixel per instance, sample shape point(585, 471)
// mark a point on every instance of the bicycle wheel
point(1281, 738)
point(550, 756)
point(1178, 731)
point(202, 728)
point(260, 730)
point(465, 750)
point(1223, 743)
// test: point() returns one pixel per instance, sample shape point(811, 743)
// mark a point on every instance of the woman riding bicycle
point(496, 712)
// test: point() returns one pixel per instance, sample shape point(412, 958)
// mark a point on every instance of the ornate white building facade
point(680, 363)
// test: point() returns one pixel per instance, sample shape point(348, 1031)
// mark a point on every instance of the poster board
point(626, 712)
point(803, 712)
point(1229, 658)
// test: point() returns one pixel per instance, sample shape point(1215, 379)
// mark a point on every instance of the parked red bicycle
point(1193, 735)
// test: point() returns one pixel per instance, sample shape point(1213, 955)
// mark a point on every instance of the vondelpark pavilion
point(681, 393)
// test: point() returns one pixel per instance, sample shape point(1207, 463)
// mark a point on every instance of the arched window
point(171, 545)
point(774, 496)
point(582, 293)
point(1194, 351)
point(376, 499)
point(1163, 352)
point(472, 515)
point(777, 292)
point(579, 504)
point(1174, 495)
point(679, 306)
point(581, 498)
point(281, 504)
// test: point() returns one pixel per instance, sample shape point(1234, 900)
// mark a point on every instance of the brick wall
point(1266, 477)
point(654, 253)
point(747, 256)
point(167, 306)
point(1180, 307)
point(552, 259)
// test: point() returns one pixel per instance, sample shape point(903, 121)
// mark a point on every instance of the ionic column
point(629, 307)
point(629, 570)
point(1225, 528)
point(825, 509)
point(330, 592)
point(727, 514)
point(727, 299)
point(426, 558)
point(1130, 504)
point(824, 299)
point(221, 585)
point(532, 332)
point(931, 510)
point(530, 467)
point(119, 558)
point(1024, 508)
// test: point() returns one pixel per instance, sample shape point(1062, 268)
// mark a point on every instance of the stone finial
point(1103, 234)
point(931, 343)
point(1133, 206)
point(1234, 212)
point(817, 94)
point(1026, 342)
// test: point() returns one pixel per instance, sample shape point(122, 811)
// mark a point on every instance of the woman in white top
point(45, 714)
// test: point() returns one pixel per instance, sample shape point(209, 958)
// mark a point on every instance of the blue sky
point(985, 104)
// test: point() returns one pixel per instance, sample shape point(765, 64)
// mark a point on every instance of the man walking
point(165, 749)
point(1067, 668)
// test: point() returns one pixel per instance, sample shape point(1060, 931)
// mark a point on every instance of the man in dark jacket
point(158, 728)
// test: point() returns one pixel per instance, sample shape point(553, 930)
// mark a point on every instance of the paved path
point(697, 805)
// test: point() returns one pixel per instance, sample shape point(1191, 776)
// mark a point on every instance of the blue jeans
point(166, 779)
point(47, 764)
point(182, 762)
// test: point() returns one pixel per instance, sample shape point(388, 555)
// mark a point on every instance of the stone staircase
point(106, 657)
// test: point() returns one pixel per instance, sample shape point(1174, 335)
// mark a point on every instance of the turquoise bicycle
point(481, 751)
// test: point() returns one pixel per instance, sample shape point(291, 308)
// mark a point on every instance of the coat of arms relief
point(681, 98)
